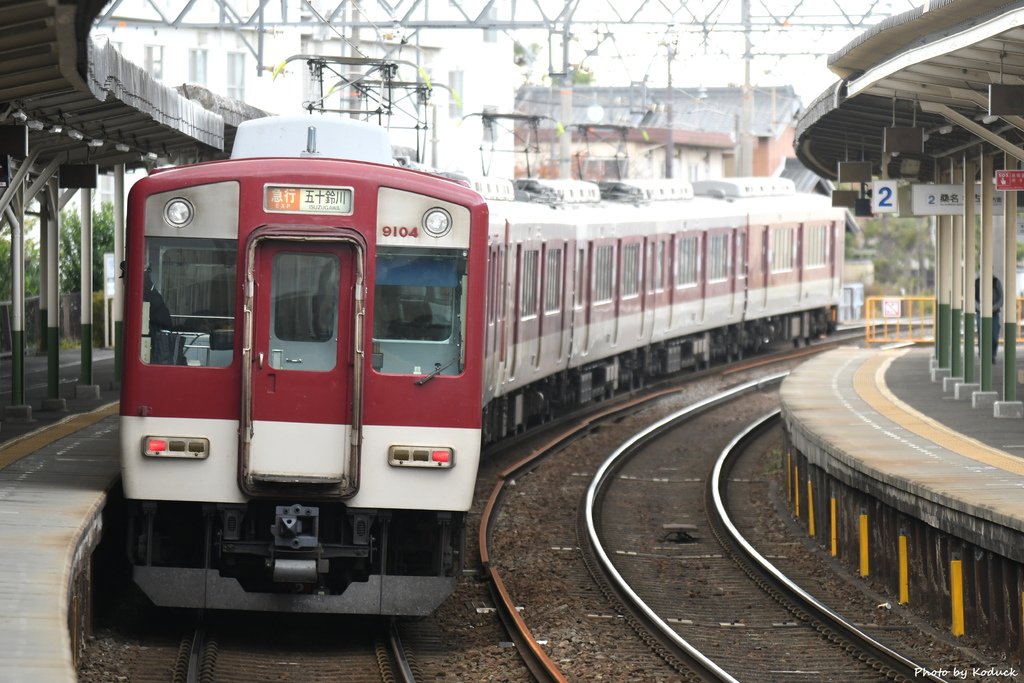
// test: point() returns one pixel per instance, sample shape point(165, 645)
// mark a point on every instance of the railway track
point(654, 521)
point(230, 649)
point(743, 619)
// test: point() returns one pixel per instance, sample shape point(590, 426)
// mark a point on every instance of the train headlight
point(434, 457)
point(178, 212)
point(437, 222)
point(189, 447)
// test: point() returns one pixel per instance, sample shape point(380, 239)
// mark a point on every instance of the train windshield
point(419, 311)
point(188, 301)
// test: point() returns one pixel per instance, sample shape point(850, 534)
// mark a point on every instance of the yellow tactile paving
point(869, 383)
point(33, 441)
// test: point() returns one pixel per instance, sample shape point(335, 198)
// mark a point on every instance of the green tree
point(31, 262)
point(69, 259)
point(902, 252)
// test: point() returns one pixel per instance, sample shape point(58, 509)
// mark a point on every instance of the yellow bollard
point(904, 572)
point(796, 492)
point(833, 523)
point(789, 474)
point(956, 594)
point(864, 544)
point(810, 510)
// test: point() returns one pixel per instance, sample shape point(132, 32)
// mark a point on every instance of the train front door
point(300, 384)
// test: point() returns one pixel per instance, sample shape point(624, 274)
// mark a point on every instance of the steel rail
point(793, 592)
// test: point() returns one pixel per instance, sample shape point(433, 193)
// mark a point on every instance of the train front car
point(300, 412)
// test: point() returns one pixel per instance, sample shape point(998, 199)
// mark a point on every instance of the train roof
point(312, 136)
point(741, 188)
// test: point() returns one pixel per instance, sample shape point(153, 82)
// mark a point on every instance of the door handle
point(259, 360)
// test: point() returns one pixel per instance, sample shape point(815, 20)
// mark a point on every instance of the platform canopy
point(83, 103)
point(930, 68)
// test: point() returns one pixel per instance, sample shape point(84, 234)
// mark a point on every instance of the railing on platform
point(890, 319)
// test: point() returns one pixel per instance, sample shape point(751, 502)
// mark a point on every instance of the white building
point(470, 71)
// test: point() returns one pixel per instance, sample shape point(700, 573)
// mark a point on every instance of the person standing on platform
point(997, 306)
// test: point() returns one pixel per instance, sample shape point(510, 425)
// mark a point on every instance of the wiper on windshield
point(438, 369)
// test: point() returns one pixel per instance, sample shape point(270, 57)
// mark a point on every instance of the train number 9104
point(399, 231)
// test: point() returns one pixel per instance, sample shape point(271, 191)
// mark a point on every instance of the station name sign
point(937, 200)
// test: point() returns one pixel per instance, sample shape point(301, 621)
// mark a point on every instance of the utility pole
point(670, 143)
point(746, 165)
point(565, 141)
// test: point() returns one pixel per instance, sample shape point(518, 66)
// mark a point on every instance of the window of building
point(455, 83)
point(197, 65)
point(154, 61)
point(236, 76)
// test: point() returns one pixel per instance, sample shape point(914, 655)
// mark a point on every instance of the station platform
point(56, 467)
point(912, 485)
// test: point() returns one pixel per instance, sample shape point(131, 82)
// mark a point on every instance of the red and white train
point(317, 342)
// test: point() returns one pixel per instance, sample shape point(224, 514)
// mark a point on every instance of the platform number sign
point(883, 196)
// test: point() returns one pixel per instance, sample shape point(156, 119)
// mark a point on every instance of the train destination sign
point(318, 199)
point(1010, 180)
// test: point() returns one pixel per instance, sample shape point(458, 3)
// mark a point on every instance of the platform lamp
point(858, 172)
point(13, 143)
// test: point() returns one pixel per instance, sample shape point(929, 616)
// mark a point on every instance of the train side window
point(718, 258)
point(741, 254)
point(817, 245)
point(419, 311)
point(528, 283)
point(782, 250)
point(604, 274)
point(188, 302)
point(630, 271)
point(581, 271)
point(657, 283)
point(686, 261)
point(553, 281)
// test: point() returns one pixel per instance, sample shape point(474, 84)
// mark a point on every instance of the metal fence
point(69, 322)
point(889, 319)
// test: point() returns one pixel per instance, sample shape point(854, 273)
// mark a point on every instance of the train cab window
point(188, 302)
point(304, 311)
point(419, 311)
